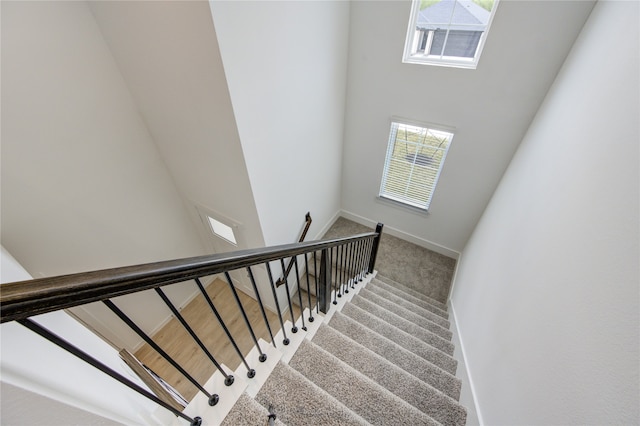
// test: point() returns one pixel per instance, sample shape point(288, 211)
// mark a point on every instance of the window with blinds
point(414, 160)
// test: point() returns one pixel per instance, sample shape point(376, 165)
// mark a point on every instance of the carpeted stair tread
point(407, 296)
point(248, 412)
point(362, 395)
point(405, 385)
point(407, 326)
point(403, 358)
point(407, 341)
point(405, 303)
point(431, 321)
point(411, 291)
point(297, 401)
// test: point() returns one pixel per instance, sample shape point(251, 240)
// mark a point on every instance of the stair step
point(430, 353)
point(403, 358)
point(362, 395)
point(407, 304)
point(248, 412)
point(297, 401)
point(407, 326)
point(419, 394)
point(431, 321)
point(408, 296)
point(411, 291)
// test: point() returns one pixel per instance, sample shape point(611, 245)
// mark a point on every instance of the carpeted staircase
point(384, 357)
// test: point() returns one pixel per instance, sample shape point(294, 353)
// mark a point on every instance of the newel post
point(374, 249)
point(324, 283)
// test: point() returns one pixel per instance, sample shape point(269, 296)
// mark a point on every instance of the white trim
point(455, 275)
point(446, 251)
point(465, 365)
point(328, 225)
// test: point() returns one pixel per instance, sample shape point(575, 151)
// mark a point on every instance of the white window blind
point(414, 160)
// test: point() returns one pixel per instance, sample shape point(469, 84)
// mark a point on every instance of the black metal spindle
point(341, 274)
point(315, 275)
point(335, 272)
point(228, 378)
point(264, 314)
point(295, 263)
point(360, 257)
point(294, 329)
point(348, 271)
point(244, 314)
point(251, 373)
point(351, 258)
point(285, 341)
point(306, 266)
point(57, 340)
point(353, 263)
point(213, 399)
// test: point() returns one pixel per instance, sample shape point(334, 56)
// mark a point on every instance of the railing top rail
point(23, 299)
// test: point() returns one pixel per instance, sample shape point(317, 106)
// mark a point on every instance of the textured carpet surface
point(403, 358)
point(424, 397)
point(401, 290)
point(248, 412)
point(384, 359)
point(372, 402)
point(420, 310)
point(366, 298)
point(399, 337)
point(427, 304)
point(407, 326)
point(401, 310)
point(297, 401)
point(418, 268)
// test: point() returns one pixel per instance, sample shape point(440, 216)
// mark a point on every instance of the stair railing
point(348, 260)
point(303, 235)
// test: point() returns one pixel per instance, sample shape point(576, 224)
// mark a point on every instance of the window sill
point(401, 206)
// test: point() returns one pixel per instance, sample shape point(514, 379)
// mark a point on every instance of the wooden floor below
point(176, 341)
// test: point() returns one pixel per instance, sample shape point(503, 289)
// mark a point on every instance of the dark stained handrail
point(20, 300)
point(307, 225)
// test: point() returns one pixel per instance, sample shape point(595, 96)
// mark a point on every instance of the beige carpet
point(418, 268)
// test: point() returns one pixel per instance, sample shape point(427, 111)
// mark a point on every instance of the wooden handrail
point(20, 300)
point(307, 224)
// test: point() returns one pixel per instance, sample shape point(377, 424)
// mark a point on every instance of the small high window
point(415, 156)
point(222, 230)
point(448, 32)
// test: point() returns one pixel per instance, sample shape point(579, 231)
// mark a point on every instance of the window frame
point(392, 139)
point(444, 61)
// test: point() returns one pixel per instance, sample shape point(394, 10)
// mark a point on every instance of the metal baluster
point(264, 314)
point(251, 373)
point(306, 265)
point(213, 399)
point(335, 283)
point(295, 263)
point(352, 263)
point(360, 257)
point(285, 341)
point(294, 329)
point(57, 340)
point(228, 378)
point(342, 247)
point(348, 271)
point(315, 274)
point(244, 315)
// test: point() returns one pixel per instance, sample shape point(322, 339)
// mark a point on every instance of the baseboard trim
point(465, 366)
point(328, 225)
point(430, 245)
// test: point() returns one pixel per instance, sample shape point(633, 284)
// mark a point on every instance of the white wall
point(60, 378)
point(169, 57)
point(83, 185)
point(286, 65)
point(490, 107)
point(546, 295)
